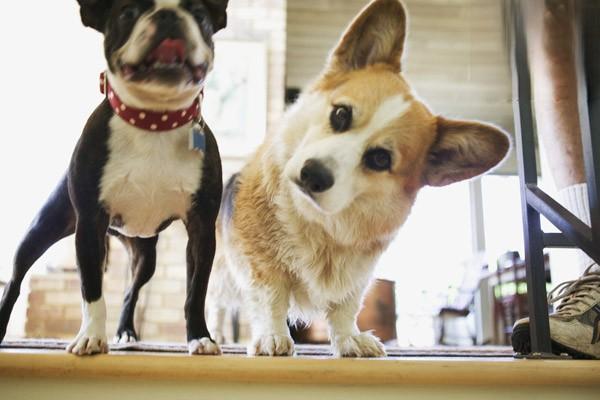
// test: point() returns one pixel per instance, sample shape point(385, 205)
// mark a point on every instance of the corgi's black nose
point(315, 177)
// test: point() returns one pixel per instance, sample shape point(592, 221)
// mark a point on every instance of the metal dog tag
point(197, 137)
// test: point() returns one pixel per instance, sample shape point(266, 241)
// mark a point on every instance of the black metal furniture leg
point(534, 237)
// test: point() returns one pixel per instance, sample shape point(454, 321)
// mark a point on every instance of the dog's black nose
point(316, 177)
point(166, 16)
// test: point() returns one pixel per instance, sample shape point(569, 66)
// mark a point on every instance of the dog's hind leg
point(216, 297)
point(55, 221)
point(142, 253)
point(216, 321)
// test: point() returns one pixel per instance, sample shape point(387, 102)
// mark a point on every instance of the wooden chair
point(510, 293)
point(462, 304)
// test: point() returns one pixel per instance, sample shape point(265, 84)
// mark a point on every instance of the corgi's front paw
point(203, 346)
point(361, 345)
point(271, 345)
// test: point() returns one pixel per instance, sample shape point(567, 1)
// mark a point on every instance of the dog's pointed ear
point(218, 13)
point(463, 150)
point(376, 35)
point(94, 13)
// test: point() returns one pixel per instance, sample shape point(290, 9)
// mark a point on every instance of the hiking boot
point(575, 325)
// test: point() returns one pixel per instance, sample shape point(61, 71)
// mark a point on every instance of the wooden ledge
point(299, 370)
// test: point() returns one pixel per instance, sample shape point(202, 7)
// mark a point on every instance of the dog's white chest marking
point(150, 177)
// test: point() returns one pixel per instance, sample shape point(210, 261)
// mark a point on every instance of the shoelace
point(573, 294)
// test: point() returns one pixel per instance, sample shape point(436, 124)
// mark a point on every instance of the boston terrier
point(145, 159)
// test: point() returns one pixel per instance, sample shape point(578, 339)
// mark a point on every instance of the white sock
point(575, 199)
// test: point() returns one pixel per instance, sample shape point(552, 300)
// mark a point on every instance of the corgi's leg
point(268, 307)
point(215, 318)
point(220, 296)
point(346, 339)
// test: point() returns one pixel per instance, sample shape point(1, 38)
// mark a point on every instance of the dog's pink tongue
point(170, 51)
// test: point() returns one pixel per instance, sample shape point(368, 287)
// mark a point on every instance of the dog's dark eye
point(378, 159)
point(198, 11)
point(129, 13)
point(341, 118)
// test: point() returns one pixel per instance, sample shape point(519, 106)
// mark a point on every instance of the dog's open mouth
point(168, 62)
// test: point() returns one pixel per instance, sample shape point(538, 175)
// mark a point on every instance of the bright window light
point(427, 258)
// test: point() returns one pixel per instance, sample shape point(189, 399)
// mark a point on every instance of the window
point(426, 259)
point(47, 97)
point(502, 216)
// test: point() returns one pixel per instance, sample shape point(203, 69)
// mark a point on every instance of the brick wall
point(54, 306)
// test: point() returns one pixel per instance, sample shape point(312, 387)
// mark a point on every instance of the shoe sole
point(521, 343)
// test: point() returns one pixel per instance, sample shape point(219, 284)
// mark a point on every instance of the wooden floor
point(311, 365)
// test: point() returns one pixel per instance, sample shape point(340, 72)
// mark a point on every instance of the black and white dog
point(145, 159)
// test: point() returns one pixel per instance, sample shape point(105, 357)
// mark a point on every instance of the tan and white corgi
point(305, 221)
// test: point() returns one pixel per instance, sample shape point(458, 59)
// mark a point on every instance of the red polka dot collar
point(145, 119)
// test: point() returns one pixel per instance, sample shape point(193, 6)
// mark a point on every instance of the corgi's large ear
point(375, 36)
point(94, 13)
point(463, 150)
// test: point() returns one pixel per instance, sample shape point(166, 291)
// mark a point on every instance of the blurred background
point(453, 275)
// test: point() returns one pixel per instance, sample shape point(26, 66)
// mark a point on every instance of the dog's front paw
point(91, 338)
point(203, 346)
point(125, 336)
point(86, 344)
point(272, 345)
point(361, 345)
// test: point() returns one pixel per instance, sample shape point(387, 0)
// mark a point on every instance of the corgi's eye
point(341, 118)
point(378, 159)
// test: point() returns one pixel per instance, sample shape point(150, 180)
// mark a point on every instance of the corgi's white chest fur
point(322, 283)
point(149, 177)
point(325, 276)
